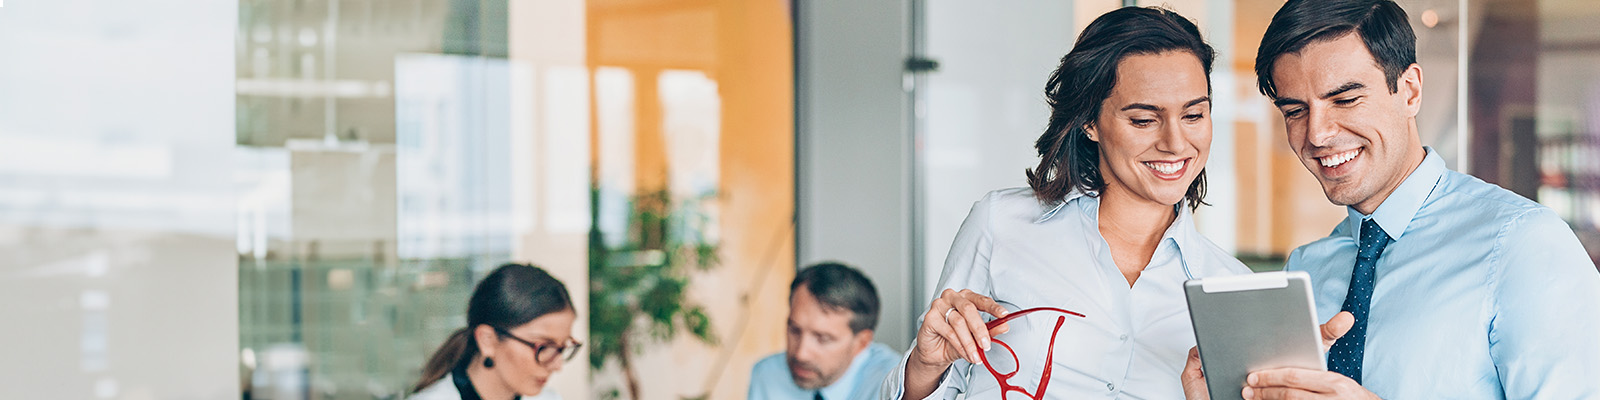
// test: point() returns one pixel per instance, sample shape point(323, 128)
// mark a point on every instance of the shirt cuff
point(894, 387)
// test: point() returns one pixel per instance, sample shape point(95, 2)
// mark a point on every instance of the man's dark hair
point(1382, 25)
point(1068, 160)
point(839, 287)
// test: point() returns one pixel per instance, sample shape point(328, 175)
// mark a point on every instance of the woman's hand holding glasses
point(952, 329)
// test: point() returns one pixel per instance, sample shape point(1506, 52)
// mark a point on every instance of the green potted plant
point(638, 288)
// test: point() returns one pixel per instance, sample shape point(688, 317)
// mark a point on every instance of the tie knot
point(1373, 239)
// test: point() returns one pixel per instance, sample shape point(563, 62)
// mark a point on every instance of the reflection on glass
point(376, 183)
point(116, 210)
point(691, 123)
point(1566, 140)
point(615, 111)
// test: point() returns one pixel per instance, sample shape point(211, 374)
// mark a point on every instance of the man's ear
point(485, 338)
point(1410, 89)
point(862, 340)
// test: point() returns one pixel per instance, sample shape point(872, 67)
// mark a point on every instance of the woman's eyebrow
point(1143, 106)
point(547, 338)
point(1156, 108)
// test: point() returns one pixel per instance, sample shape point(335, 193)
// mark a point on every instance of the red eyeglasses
point(1044, 380)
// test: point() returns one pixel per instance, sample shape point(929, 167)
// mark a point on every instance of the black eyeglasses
point(544, 353)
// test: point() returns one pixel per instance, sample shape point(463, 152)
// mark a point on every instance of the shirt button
point(1111, 387)
point(1123, 338)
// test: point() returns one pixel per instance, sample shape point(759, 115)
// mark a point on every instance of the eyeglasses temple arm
point(1019, 313)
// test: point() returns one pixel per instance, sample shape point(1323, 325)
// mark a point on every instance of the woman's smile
point(1168, 170)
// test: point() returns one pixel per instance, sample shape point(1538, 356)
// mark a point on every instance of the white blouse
point(445, 389)
point(1132, 342)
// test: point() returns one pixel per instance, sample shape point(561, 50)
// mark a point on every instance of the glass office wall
point(116, 200)
point(1534, 119)
point(392, 153)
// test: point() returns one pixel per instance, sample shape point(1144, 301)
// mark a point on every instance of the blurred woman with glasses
point(519, 331)
point(1104, 231)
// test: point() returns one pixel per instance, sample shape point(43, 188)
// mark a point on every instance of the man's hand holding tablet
point(1280, 383)
point(1194, 380)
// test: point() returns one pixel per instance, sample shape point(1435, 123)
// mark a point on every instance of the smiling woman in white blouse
point(1104, 231)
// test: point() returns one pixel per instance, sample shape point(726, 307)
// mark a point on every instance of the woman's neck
point(1134, 220)
point(486, 382)
point(1132, 227)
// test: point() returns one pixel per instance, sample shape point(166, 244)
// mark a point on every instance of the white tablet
point(1253, 322)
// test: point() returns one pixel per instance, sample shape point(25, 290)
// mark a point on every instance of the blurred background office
point(292, 199)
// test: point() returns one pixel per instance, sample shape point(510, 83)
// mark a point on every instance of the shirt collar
point(842, 388)
point(1181, 232)
point(1396, 211)
point(1049, 211)
point(458, 376)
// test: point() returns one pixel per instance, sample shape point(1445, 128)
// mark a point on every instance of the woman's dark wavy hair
point(1068, 160)
point(510, 296)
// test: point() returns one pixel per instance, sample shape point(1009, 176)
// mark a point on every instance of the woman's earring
point(488, 362)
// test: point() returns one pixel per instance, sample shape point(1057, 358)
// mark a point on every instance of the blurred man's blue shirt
point(770, 379)
point(1482, 295)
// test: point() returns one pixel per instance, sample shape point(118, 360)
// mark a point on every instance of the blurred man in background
point(833, 310)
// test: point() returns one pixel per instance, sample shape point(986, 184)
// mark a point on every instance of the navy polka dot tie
point(1345, 356)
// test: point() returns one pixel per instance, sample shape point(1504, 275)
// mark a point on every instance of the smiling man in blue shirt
point(1460, 289)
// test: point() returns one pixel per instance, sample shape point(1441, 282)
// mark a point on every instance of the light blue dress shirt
point(770, 379)
point(1482, 295)
point(1134, 340)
